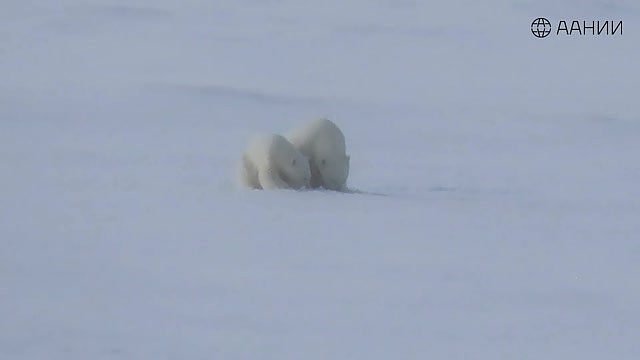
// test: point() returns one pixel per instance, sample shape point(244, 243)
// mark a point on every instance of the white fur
point(323, 143)
point(271, 162)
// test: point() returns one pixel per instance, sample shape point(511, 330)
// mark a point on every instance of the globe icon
point(541, 27)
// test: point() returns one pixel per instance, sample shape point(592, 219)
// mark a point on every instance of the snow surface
point(508, 225)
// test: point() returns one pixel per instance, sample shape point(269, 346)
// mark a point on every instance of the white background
point(509, 229)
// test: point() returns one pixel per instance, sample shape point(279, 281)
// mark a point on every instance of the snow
point(499, 214)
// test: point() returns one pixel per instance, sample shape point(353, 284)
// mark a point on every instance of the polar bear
point(271, 162)
point(323, 143)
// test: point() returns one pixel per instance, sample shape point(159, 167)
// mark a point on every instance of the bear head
point(295, 171)
point(331, 170)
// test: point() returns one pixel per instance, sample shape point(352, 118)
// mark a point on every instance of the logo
point(541, 27)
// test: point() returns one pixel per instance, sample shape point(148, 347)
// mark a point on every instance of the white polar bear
point(323, 143)
point(271, 162)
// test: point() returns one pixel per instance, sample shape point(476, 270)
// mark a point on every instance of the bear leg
point(270, 180)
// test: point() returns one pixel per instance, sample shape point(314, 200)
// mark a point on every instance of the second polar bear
point(323, 143)
point(271, 162)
